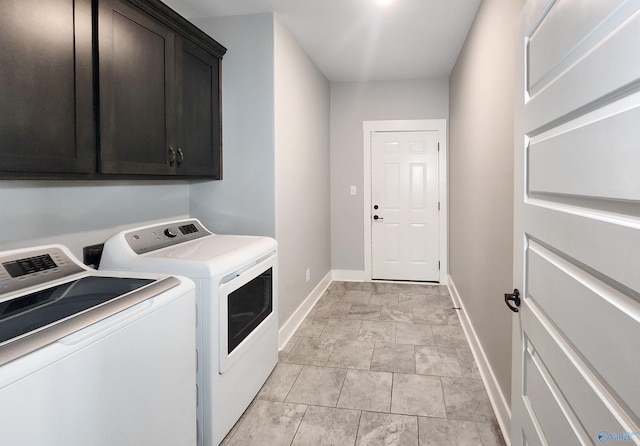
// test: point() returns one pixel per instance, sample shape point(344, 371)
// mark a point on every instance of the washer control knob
point(170, 233)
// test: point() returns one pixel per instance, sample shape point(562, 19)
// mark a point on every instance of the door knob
point(515, 297)
point(376, 218)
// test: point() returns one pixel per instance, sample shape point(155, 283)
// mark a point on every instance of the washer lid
point(31, 321)
point(33, 311)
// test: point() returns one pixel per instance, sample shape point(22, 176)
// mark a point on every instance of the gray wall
point(302, 171)
point(80, 213)
point(276, 151)
point(244, 201)
point(481, 179)
point(351, 104)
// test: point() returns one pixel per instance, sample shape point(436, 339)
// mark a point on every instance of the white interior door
point(404, 206)
point(577, 224)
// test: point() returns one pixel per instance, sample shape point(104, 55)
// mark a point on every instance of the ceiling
point(362, 40)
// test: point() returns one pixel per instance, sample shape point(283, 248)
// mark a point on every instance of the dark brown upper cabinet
point(159, 94)
point(199, 123)
point(46, 88)
point(127, 90)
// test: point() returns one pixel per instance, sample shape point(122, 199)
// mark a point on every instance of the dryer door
point(246, 310)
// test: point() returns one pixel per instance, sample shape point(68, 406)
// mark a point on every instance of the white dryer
point(93, 357)
point(237, 327)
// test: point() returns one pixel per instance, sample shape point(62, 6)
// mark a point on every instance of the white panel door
point(404, 200)
point(576, 357)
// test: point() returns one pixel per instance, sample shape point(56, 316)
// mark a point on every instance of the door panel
point(577, 224)
point(589, 157)
point(136, 91)
point(405, 237)
point(199, 110)
point(46, 87)
point(590, 74)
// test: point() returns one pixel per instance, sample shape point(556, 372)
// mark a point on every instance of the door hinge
point(438, 147)
point(438, 205)
point(438, 265)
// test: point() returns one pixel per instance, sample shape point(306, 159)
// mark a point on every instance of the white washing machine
point(94, 358)
point(237, 327)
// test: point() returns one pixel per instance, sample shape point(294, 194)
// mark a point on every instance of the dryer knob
point(169, 233)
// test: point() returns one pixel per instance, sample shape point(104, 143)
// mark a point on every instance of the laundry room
point(273, 238)
point(292, 161)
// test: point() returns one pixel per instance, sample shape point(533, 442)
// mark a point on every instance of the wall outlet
point(353, 190)
point(308, 274)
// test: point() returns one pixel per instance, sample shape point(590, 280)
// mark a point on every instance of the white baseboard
point(498, 401)
point(289, 328)
point(349, 275)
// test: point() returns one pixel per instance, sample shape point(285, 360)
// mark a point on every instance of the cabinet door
point(136, 56)
point(46, 87)
point(199, 148)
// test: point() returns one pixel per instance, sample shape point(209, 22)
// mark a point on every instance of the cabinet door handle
point(172, 156)
point(180, 156)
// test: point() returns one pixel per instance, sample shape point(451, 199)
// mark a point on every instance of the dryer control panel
point(151, 238)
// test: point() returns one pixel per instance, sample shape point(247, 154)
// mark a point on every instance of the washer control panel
point(152, 238)
point(27, 268)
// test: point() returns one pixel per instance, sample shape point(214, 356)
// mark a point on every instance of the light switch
point(353, 190)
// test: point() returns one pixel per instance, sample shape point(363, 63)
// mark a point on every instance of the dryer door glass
point(248, 306)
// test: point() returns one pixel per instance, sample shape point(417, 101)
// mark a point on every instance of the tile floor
point(373, 364)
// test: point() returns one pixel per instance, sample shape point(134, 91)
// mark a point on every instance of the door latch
point(515, 297)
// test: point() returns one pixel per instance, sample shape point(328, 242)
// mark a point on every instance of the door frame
point(414, 125)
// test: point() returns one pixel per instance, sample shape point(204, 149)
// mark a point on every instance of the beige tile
point(355, 297)
point(449, 336)
point(466, 399)
point(432, 316)
point(317, 386)
point(342, 329)
point(404, 288)
point(279, 382)
point(414, 300)
point(377, 331)
point(353, 286)
point(441, 432)
point(440, 301)
point(313, 351)
point(376, 287)
point(382, 429)
point(384, 299)
point(490, 434)
point(326, 426)
point(393, 358)
point(440, 361)
point(311, 328)
point(351, 354)
point(417, 395)
point(416, 334)
point(397, 314)
point(332, 309)
point(282, 354)
point(268, 422)
point(343, 286)
point(425, 289)
point(468, 363)
point(454, 319)
point(366, 390)
point(364, 312)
